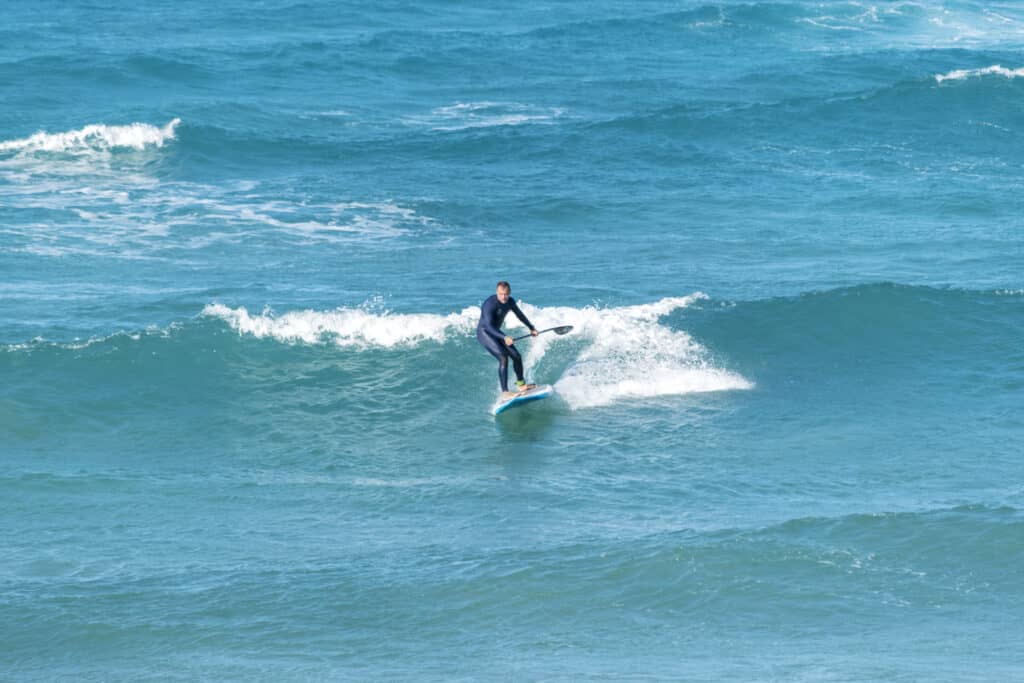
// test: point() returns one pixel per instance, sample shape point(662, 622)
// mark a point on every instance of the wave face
point(245, 427)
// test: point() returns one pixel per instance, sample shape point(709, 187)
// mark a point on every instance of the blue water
point(246, 430)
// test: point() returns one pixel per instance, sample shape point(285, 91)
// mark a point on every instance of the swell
point(875, 332)
point(873, 311)
point(852, 582)
point(765, 18)
point(831, 569)
point(924, 554)
point(183, 68)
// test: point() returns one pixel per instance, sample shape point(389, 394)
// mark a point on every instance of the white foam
point(924, 25)
point(629, 354)
point(94, 137)
point(77, 344)
point(375, 220)
point(995, 69)
point(348, 327)
point(135, 215)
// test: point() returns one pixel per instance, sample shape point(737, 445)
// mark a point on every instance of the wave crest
point(963, 74)
point(95, 137)
point(347, 327)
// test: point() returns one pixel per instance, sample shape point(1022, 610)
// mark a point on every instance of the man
point(499, 344)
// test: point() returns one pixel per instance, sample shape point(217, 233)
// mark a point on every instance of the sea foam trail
point(995, 69)
point(618, 352)
point(95, 137)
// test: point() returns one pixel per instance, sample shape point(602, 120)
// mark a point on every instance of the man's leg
point(503, 371)
point(517, 365)
point(501, 354)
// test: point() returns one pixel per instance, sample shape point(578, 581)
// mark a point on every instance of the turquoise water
point(245, 427)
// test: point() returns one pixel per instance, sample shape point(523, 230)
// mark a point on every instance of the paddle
point(557, 330)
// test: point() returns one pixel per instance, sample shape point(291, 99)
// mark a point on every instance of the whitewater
point(245, 424)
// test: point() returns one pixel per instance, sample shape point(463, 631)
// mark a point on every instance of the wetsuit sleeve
point(487, 320)
point(521, 315)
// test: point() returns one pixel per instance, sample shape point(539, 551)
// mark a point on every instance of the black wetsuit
point(488, 333)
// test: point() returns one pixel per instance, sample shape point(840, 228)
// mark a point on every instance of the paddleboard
point(538, 392)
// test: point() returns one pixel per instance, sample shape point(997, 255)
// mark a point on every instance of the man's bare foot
point(506, 395)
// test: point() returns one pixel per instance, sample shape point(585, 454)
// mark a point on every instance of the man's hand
point(534, 332)
point(508, 341)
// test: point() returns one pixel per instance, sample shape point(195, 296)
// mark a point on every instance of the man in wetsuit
point(488, 333)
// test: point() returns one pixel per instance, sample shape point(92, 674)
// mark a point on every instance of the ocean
point(246, 429)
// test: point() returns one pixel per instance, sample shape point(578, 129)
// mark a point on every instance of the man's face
point(503, 294)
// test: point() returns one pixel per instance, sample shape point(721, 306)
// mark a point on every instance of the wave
point(963, 74)
point(926, 557)
point(901, 551)
point(93, 138)
point(670, 347)
point(465, 115)
point(612, 354)
point(618, 353)
point(674, 346)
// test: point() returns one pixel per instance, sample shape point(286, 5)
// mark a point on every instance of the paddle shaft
point(550, 329)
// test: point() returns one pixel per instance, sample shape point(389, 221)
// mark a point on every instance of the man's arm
point(522, 316)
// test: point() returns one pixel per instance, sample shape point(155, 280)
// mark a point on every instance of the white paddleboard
point(538, 392)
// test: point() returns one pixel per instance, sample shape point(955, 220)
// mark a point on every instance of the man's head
point(504, 291)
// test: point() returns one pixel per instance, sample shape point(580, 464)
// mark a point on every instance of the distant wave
point(995, 69)
point(464, 115)
point(95, 137)
point(834, 107)
point(910, 23)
